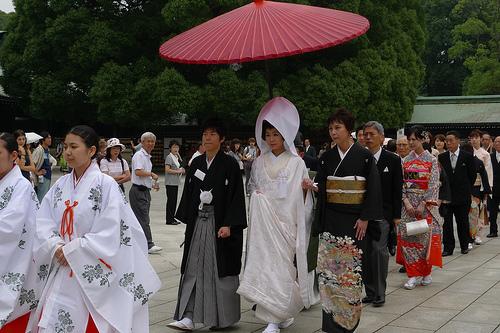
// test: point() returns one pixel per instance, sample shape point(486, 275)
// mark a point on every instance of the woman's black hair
point(418, 131)
point(108, 155)
point(234, 142)
point(215, 124)
point(343, 116)
point(265, 126)
point(9, 142)
point(88, 135)
point(175, 142)
point(18, 133)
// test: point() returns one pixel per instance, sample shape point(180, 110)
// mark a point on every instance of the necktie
point(453, 160)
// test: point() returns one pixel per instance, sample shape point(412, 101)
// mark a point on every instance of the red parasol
point(263, 30)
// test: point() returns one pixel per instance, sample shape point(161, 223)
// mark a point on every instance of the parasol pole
point(268, 78)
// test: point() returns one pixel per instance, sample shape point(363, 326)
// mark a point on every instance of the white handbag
point(417, 227)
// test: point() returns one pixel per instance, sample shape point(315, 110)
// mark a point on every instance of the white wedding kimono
point(279, 225)
point(109, 275)
point(19, 277)
point(278, 232)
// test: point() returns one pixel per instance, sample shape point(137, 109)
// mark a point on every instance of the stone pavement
point(464, 296)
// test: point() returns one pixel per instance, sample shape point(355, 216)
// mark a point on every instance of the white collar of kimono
point(283, 115)
point(342, 154)
point(13, 173)
point(93, 167)
point(274, 159)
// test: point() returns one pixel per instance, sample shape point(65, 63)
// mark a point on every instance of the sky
point(6, 6)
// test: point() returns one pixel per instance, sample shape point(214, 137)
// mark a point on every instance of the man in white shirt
point(200, 151)
point(481, 153)
point(142, 182)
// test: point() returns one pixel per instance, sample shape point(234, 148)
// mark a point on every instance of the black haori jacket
point(224, 179)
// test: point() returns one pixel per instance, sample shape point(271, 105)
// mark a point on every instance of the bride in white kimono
point(280, 222)
point(18, 273)
point(100, 277)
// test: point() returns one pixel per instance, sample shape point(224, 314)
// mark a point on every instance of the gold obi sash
point(478, 181)
point(345, 190)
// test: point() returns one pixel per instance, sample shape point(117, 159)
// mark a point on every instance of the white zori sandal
point(185, 324)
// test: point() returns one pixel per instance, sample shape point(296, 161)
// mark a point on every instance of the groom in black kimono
point(213, 209)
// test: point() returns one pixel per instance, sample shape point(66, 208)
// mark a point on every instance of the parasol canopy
point(263, 30)
point(32, 137)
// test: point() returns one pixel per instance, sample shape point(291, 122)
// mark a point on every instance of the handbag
point(417, 227)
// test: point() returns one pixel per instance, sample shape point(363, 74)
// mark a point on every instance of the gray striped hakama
point(204, 297)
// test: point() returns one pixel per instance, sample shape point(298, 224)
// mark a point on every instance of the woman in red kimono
point(418, 253)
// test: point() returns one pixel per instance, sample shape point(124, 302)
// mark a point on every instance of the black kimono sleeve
point(372, 207)
point(397, 186)
point(235, 199)
point(484, 178)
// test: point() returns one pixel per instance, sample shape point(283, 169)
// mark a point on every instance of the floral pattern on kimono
point(101, 240)
point(19, 286)
point(340, 282)
point(418, 253)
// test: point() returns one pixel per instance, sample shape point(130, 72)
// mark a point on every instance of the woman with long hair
point(24, 159)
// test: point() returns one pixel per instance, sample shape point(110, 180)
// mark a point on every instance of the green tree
point(444, 75)
point(4, 19)
point(98, 60)
point(476, 42)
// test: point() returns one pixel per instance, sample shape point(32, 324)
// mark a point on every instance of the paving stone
point(425, 318)
point(480, 313)
point(464, 327)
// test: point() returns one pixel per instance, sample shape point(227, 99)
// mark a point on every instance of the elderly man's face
point(148, 144)
point(496, 144)
point(486, 141)
point(402, 147)
point(373, 139)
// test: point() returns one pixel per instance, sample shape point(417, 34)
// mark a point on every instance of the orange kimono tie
point(67, 219)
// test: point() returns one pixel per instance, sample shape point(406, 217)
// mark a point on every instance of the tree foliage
point(97, 60)
point(463, 50)
point(476, 42)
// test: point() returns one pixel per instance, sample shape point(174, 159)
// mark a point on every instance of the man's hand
point(154, 176)
point(224, 232)
point(360, 227)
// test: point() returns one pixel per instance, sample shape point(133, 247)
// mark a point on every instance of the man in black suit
point(376, 260)
point(309, 150)
point(460, 168)
point(495, 200)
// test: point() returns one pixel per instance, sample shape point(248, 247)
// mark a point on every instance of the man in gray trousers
point(142, 182)
point(376, 258)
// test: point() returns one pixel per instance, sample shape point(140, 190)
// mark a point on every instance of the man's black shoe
point(447, 253)
point(378, 302)
point(402, 269)
point(392, 250)
point(465, 251)
point(367, 300)
point(492, 235)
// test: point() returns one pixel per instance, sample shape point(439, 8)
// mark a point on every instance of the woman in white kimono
point(100, 277)
point(280, 222)
point(18, 275)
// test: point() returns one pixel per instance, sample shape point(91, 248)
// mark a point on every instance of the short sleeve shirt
point(142, 161)
point(114, 168)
